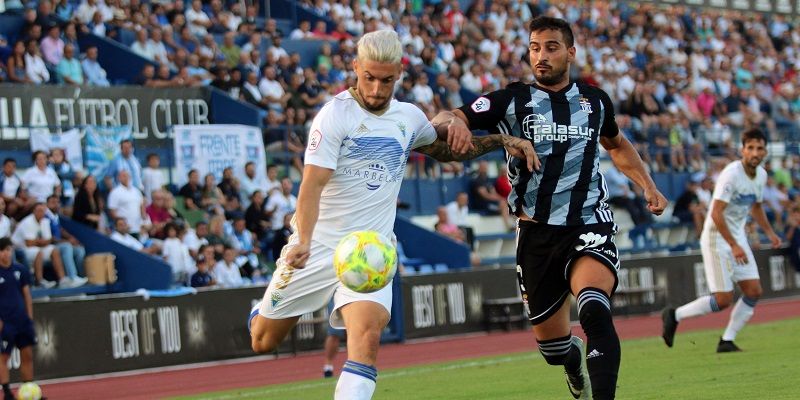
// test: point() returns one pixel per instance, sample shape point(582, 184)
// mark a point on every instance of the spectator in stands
point(311, 92)
point(86, 11)
point(71, 250)
point(205, 263)
point(98, 26)
point(70, 36)
point(226, 271)
point(776, 201)
point(229, 185)
point(303, 31)
point(216, 234)
point(192, 192)
point(64, 10)
point(16, 68)
point(282, 235)
point(458, 210)
point(196, 237)
point(122, 236)
point(40, 180)
point(621, 194)
point(251, 93)
point(156, 47)
point(88, 205)
point(281, 202)
point(159, 213)
point(272, 90)
point(257, 218)
point(423, 95)
point(152, 177)
point(213, 200)
point(66, 174)
point(688, 208)
point(5, 222)
point(196, 72)
point(197, 20)
point(12, 190)
point(230, 50)
point(176, 254)
point(69, 69)
point(52, 46)
point(247, 253)
point(126, 161)
point(33, 236)
point(484, 198)
point(447, 228)
point(35, 67)
point(140, 46)
point(249, 182)
point(94, 72)
point(125, 201)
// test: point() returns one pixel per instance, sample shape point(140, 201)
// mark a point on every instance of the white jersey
point(368, 153)
point(740, 191)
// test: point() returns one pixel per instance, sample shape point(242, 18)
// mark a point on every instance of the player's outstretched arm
point(627, 160)
point(453, 128)
point(758, 214)
point(516, 147)
point(307, 213)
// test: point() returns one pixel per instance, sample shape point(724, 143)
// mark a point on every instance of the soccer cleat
point(669, 325)
point(253, 313)
point(579, 385)
point(727, 346)
point(327, 372)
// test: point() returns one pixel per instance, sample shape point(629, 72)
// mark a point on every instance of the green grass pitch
point(768, 368)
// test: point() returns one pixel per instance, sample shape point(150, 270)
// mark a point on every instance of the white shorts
point(722, 270)
point(293, 292)
point(32, 252)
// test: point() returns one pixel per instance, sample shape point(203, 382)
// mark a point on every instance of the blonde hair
point(380, 46)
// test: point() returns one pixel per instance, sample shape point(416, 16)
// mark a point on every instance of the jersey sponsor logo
point(590, 240)
point(481, 104)
point(314, 140)
point(586, 106)
point(386, 156)
point(536, 127)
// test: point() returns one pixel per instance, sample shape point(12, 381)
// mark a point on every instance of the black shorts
point(19, 334)
point(544, 257)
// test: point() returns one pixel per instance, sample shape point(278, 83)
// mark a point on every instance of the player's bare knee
point(724, 300)
point(263, 343)
point(753, 293)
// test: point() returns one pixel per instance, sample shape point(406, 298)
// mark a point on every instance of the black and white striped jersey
point(565, 128)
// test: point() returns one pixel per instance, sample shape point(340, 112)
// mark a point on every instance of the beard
point(372, 106)
point(551, 77)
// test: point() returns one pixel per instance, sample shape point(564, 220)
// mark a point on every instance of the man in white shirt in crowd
point(5, 222)
point(128, 162)
point(197, 19)
point(71, 251)
point(272, 90)
point(126, 201)
point(249, 183)
point(196, 237)
point(457, 213)
point(40, 180)
point(273, 183)
point(281, 203)
point(122, 236)
point(33, 236)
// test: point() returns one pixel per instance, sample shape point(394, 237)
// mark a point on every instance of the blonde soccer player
point(355, 159)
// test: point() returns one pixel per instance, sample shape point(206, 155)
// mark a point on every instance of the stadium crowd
point(684, 83)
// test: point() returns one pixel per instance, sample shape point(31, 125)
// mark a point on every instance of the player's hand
point(522, 149)
point(738, 254)
point(459, 137)
point(297, 256)
point(656, 202)
point(775, 240)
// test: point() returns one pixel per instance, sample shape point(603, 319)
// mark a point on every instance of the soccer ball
point(29, 391)
point(365, 261)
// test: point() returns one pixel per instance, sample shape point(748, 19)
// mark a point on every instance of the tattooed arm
point(516, 147)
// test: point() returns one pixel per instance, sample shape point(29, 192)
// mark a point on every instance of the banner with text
point(212, 148)
point(70, 141)
point(787, 7)
point(150, 112)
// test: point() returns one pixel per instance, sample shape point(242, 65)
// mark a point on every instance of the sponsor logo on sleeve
point(481, 104)
point(314, 140)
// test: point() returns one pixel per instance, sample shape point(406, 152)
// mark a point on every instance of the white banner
point(212, 148)
point(70, 141)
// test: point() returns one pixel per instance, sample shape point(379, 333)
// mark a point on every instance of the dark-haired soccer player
point(16, 317)
point(566, 230)
point(727, 257)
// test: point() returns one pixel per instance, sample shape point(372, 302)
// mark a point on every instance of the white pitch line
point(382, 376)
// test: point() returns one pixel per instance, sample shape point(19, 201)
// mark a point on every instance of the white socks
point(700, 306)
point(741, 313)
point(357, 382)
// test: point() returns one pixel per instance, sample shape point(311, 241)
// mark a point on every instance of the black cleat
point(727, 346)
point(669, 325)
point(327, 373)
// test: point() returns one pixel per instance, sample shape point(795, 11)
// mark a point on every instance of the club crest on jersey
point(402, 127)
point(586, 106)
point(481, 104)
point(314, 140)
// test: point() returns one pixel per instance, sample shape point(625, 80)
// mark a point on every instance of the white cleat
point(579, 385)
